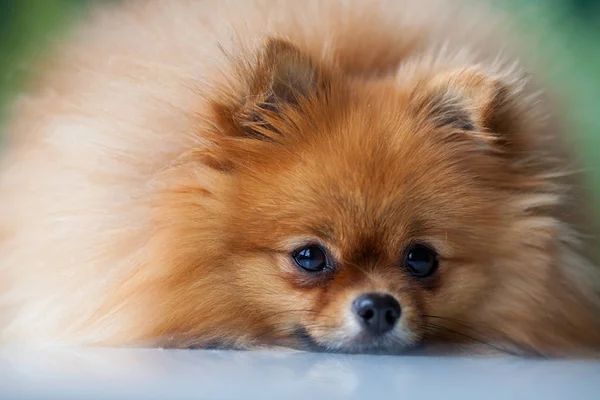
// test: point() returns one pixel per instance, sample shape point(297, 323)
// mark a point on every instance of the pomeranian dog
point(348, 175)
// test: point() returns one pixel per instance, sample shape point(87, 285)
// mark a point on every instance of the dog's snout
point(378, 313)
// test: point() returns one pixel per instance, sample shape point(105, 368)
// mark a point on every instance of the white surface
point(195, 374)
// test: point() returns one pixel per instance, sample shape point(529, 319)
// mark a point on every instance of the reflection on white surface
point(196, 374)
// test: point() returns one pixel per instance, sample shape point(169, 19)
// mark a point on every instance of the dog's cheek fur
point(535, 303)
point(210, 287)
point(207, 290)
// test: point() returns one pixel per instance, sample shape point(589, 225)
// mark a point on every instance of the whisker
point(435, 326)
point(500, 335)
point(463, 323)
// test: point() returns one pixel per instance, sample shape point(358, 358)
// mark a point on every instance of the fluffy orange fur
point(174, 153)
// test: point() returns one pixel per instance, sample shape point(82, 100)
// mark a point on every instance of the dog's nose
point(378, 313)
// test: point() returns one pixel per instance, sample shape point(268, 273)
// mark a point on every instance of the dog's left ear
point(479, 105)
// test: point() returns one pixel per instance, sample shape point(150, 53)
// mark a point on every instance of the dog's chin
point(362, 344)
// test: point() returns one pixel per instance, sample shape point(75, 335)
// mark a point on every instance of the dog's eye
point(311, 258)
point(421, 261)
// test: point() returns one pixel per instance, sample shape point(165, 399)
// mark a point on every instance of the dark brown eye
point(421, 261)
point(311, 258)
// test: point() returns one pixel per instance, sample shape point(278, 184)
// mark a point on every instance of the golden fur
point(173, 153)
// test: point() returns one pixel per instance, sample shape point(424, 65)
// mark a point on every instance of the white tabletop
point(196, 374)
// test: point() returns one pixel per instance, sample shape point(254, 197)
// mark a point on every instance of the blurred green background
point(568, 32)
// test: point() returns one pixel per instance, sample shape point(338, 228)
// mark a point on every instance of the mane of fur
point(90, 193)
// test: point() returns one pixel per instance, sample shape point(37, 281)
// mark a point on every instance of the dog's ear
point(284, 75)
point(270, 88)
point(281, 79)
point(474, 104)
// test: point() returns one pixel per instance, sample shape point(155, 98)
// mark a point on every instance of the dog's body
point(175, 153)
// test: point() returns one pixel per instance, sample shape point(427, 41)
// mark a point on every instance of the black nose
point(377, 312)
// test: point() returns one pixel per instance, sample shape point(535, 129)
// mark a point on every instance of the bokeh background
point(567, 32)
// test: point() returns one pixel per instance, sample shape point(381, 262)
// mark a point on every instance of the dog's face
point(365, 223)
point(361, 215)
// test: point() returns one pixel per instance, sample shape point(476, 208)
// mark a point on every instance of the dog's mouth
point(363, 344)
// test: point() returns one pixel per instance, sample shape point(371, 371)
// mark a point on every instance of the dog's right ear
point(281, 79)
point(284, 75)
point(277, 84)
